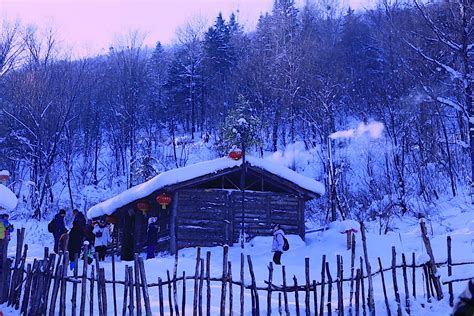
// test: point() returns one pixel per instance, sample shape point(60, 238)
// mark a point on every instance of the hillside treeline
point(306, 72)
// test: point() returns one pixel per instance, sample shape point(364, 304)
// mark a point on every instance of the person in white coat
point(102, 238)
point(278, 242)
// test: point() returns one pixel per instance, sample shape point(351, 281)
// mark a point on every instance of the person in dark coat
point(79, 219)
point(76, 237)
point(152, 237)
point(465, 303)
point(59, 228)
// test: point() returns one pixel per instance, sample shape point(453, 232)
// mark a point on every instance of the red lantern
point(235, 154)
point(143, 206)
point(163, 200)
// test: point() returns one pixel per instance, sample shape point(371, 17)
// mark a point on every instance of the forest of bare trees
point(306, 71)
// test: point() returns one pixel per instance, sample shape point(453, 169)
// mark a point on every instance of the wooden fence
point(45, 287)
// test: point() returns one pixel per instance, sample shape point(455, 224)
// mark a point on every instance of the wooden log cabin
point(201, 204)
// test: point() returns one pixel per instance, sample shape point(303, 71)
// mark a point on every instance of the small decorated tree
point(240, 130)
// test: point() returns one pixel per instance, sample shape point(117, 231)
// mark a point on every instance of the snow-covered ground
point(454, 217)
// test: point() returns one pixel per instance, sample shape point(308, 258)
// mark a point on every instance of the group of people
point(96, 233)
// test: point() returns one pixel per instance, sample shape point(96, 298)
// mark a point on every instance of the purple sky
point(91, 26)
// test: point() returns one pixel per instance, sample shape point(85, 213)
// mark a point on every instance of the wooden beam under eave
point(173, 228)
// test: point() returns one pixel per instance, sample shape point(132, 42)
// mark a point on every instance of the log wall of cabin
point(212, 217)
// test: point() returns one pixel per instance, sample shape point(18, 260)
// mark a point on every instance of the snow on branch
point(442, 37)
point(453, 72)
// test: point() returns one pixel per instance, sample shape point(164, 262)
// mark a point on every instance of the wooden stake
point(183, 296)
point(254, 287)
point(91, 296)
point(362, 287)
point(413, 261)
point(201, 283)
point(54, 295)
point(387, 305)
point(175, 288)
point(196, 271)
point(329, 289)
point(131, 289)
point(315, 298)
point(26, 296)
point(395, 283)
point(279, 304)
point(208, 283)
point(125, 292)
point(432, 262)
point(427, 282)
point(297, 302)
point(323, 279)
point(450, 272)
point(307, 287)
point(62, 296)
point(74, 286)
point(242, 286)
point(146, 296)
point(82, 308)
point(269, 289)
point(368, 269)
point(405, 283)
point(170, 301)
point(114, 290)
point(352, 275)
point(160, 297)
point(137, 285)
point(285, 294)
point(357, 291)
point(224, 278)
point(231, 294)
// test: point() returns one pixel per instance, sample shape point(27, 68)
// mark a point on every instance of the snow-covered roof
point(8, 200)
point(179, 175)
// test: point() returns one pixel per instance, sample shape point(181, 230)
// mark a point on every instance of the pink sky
point(91, 26)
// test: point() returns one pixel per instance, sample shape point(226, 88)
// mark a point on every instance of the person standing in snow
point(278, 242)
point(8, 226)
point(152, 237)
point(59, 228)
point(102, 238)
point(76, 237)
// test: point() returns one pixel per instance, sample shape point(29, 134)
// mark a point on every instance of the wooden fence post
point(405, 282)
point(146, 296)
point(370, 294)
point(224, 278)
point(395, 283)
point(387, 305)
point(328, 272)
point(352, 276)
point(297, 301)
point(269, 289)
point(323, 276)
point(450, 272)
point(307, 287)
point(196, 271)
point(84, 282)
point(285, 294)
point(208, 283)
point(432, 262)
point(254, 286)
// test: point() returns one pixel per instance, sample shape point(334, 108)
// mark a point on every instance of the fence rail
point(42, 287)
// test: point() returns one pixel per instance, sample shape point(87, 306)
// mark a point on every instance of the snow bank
point(344, 226)
point(8, 200)
point(197, 170)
